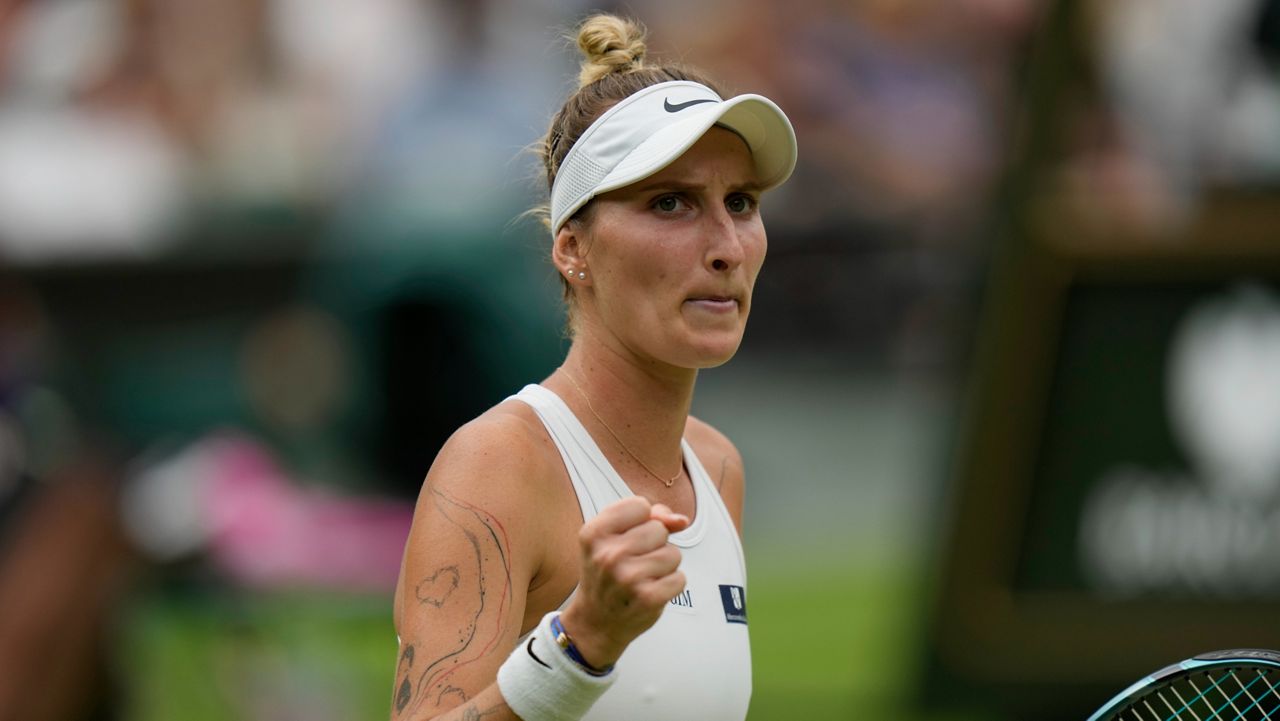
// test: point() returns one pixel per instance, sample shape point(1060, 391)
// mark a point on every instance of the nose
point(724, 247)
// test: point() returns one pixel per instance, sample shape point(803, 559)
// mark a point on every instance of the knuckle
point(655, 596)
point(606, 556)
point(655, 531)
point(629, 507)
point(627, 575)
point(646, 596)
point(670, 555)
point(599, 557)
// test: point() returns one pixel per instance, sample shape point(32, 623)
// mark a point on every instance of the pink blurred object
point(266, 531)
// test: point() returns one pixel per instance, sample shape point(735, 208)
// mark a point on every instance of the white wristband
point(541, 683)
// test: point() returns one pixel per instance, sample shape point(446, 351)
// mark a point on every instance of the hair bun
point(611, 45)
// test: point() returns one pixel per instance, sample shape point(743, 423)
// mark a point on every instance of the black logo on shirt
point(684, 599)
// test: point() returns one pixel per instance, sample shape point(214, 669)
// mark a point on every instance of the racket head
point(1241, 684)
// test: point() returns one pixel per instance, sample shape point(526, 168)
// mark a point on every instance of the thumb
point(673, 521)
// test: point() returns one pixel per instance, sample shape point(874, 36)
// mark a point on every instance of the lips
point(715, 297)
point(715, 303)
point(718, 296)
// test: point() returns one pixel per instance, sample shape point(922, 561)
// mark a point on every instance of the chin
point(712, 352)
point(716, 363)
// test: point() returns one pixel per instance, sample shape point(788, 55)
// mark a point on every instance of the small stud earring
point(582, 275)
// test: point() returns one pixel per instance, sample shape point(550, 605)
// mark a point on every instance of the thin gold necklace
point(666, 481)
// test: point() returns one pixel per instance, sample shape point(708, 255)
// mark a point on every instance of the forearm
point(538, 680)
point(488, 705)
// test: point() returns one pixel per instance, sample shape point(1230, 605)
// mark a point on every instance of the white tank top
point(695, 662)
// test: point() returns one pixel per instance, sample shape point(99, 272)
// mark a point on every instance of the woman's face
point(673, 258)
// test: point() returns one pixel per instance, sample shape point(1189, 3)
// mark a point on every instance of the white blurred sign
point(1213, 530)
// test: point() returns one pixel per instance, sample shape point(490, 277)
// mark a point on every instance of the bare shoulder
point(502, 461)
point(483, 455)
point(722, 461)
point(714, 449)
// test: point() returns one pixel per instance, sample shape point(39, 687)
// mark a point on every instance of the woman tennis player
point(575, 550)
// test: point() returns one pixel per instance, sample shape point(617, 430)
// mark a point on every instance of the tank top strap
point(709, 503)
point(594, 480)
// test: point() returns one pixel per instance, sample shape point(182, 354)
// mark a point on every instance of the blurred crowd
point(141, 108)
point(147, 111)
point(155, 115)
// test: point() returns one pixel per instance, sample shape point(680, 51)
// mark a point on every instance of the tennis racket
point(1237, 685)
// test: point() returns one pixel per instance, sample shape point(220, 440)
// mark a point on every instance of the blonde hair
point(610, 44)
point(613, 68)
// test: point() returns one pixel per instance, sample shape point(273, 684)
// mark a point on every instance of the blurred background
point(1009, 402)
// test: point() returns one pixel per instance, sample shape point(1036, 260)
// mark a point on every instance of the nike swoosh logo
point(666, 104)
point(529, 648)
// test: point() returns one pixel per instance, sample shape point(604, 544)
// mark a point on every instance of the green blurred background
point(260, 258)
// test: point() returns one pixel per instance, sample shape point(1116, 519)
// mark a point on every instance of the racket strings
point(1224, 694)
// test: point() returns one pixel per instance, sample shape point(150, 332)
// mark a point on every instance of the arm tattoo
point(404, 691)
point(471, 713)
point(476, 606)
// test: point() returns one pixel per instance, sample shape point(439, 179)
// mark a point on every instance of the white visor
point(648, 130)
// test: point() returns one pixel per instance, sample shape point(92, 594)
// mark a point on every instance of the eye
point(668, 203)
point(740, 203)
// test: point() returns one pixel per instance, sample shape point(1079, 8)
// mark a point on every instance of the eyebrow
point(677, 185)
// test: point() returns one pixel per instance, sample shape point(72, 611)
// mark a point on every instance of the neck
point(645, 405)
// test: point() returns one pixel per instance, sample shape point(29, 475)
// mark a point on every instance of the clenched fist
point(629, 573)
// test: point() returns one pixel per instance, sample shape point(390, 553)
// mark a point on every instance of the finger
point(660, 591)
point(651, 566)
point(644, 538)
point(675, 522)
point(635, 571)
point(620, 516)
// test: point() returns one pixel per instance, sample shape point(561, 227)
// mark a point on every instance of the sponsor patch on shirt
point(734, 599)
